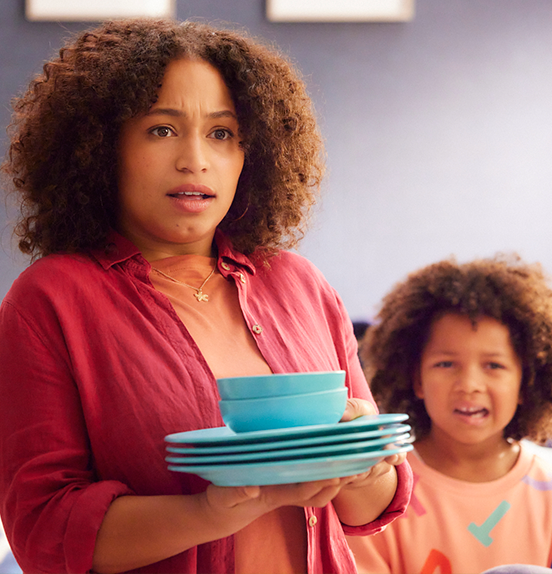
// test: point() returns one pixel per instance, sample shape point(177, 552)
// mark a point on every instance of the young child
point(466, 351)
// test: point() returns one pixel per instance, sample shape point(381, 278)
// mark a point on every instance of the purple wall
point(438, 131)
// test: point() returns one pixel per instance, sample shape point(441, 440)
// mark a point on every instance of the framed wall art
point(96, 10)
point(340, 10)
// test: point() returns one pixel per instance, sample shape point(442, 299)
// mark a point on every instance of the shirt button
point(313, 520)
point(242, 277)
point(225, 266)
point(257, 329)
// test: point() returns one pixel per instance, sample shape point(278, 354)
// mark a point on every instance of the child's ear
point(417, 383)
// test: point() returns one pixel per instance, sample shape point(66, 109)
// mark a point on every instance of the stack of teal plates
point(287, 455)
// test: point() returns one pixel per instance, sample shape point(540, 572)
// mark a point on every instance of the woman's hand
point(357, 408)
point(365, 496)
point(238, 506)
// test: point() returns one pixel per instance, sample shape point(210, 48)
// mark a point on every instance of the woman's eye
point(221, 134)
point(162, 132)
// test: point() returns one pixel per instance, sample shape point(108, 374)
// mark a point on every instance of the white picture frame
point(339, 10)
point(96, 10)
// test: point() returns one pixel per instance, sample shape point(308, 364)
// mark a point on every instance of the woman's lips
point(191, 190)
point(192, 198)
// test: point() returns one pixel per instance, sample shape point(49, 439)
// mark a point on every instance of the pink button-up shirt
point(96, 369)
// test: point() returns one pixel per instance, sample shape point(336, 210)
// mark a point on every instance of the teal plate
point(233, 448)
point(292, 453)
point(223, 435)
point(289, 471)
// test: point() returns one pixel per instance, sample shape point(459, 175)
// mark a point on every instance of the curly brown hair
point(62, 161)
point(502, 288)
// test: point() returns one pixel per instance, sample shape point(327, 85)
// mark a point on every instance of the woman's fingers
point(315, 493)
point(357, 408)
point(266, 498)
point(395, 459)
point(231, 496)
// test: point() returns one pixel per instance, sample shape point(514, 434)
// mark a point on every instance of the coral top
point(458, 527)
point(275, 543)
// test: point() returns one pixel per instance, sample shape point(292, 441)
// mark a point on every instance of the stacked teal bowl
point(278, 401)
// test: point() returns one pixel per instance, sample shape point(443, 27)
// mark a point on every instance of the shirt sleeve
point(396, 508)
point(360, 389)
point(52, 504)
point(343, 328)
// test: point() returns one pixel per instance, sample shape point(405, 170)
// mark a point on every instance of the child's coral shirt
point(457, 527)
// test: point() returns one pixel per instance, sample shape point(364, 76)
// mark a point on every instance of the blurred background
point(438, 131)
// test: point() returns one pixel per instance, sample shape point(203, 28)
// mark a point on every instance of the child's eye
point(162, 132)
point(495, 365)
point(444, 364)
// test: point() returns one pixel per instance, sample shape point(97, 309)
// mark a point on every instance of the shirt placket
point(241, 280)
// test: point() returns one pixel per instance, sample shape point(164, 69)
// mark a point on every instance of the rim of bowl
point(342, 390)
point(277, 375)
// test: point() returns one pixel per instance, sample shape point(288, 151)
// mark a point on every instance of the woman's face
point(179, 164)
point(470, 379)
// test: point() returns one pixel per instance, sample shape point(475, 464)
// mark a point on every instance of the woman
point(162, 168)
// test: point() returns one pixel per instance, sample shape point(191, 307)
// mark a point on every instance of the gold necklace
point(199, 295)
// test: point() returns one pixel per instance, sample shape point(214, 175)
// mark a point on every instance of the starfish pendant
point(200, 296)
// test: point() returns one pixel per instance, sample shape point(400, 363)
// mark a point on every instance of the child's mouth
point(472, 412)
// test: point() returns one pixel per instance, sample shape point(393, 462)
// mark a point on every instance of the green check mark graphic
point(482, 532)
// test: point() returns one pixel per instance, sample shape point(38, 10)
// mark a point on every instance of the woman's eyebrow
point(178, 113)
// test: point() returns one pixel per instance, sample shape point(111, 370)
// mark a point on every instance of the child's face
point(469, 379)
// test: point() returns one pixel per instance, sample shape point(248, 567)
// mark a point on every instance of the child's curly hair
point(503, 288)
point(63, 161)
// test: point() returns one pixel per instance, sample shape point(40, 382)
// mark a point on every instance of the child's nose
point(470, 379)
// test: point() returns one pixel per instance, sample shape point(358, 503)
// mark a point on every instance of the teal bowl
point(279, 384)
point(247, 415)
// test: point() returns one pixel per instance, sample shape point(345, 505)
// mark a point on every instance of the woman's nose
point(192, 155)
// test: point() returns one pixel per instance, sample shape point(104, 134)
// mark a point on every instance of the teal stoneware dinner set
point(285, 428)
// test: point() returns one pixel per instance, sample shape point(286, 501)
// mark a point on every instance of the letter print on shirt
point(436, 560)
point(541, 485)
point(415, 504)
point(482, 532)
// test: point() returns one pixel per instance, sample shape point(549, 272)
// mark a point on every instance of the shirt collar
point(119, 249)
point(226, 251)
